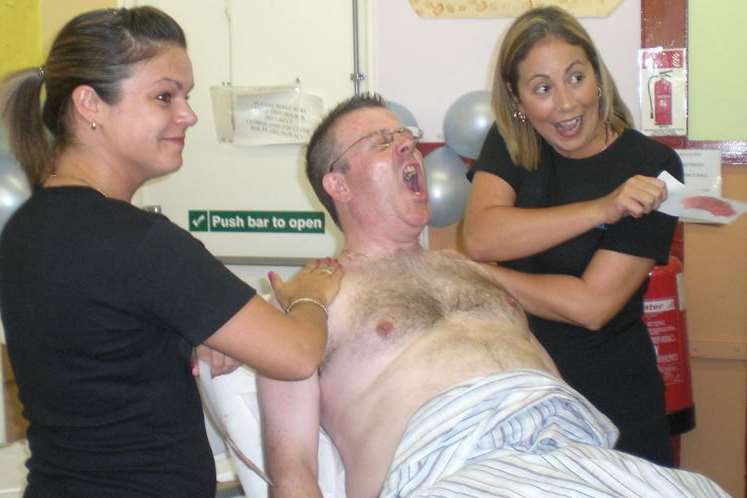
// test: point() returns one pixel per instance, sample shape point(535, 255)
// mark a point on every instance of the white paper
point(695, 206)
point(286, 117)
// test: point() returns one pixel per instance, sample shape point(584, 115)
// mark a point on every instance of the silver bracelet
point(304, 300)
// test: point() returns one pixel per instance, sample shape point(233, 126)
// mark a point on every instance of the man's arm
point(290, 432)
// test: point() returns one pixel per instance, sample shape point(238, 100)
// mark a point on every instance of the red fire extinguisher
point(664, 315)
point(663, 102)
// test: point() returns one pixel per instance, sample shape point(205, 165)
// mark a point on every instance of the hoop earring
point(599, 91)
point(93, 125)
point(520, 116)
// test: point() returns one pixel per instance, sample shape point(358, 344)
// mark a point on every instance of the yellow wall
point(717, 46)
point(20, 42)
point(28, 27)
point(56, 13)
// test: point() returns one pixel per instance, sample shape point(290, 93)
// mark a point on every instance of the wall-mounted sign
point(663, 91)
point(702, 169)
point(256, 221)
point(507, 8)
point(264, 116)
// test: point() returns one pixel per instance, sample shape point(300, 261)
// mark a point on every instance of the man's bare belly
point(385, 361)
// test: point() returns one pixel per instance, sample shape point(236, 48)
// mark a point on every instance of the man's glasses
point(381, 140)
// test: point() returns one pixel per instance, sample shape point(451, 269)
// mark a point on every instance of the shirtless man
point(407, 324)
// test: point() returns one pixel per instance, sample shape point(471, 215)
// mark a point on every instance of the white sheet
point(524, 434)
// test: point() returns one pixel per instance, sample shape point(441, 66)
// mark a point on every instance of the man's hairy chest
point(384, 302)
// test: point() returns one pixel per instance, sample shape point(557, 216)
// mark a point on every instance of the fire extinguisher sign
point(663, 91)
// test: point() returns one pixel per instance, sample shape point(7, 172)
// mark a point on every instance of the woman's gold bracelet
point(304, 300)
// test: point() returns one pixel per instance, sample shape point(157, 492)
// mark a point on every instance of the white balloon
point(403, 113)
point(448, 187)
point(14, 187)
point(467, 122)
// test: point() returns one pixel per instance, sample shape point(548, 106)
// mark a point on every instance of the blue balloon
point(14, 187)
point(448, 188)
point(467, 122)
point(402, 112)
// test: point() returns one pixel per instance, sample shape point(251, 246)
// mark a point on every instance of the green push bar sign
point(256, 221)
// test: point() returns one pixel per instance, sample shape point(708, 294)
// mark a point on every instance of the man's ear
point(86, 103)
point(336, 186)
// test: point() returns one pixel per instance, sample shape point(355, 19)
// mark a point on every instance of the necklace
point(81, 180)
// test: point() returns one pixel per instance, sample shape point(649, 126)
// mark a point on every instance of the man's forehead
point(361, 122)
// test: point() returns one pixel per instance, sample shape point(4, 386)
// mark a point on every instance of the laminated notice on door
point(695, 206)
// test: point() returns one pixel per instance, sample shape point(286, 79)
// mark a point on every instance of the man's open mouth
point(410, 175)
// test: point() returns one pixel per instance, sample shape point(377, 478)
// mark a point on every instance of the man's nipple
point(384, 328)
